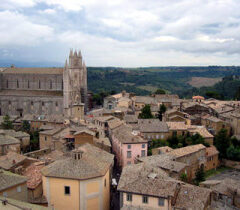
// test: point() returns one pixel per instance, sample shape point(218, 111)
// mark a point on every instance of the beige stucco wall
point(53, 189)
point(137, 201)
point(45, 143)
point(91, 194)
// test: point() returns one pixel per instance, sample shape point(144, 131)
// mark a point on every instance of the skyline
point(120, 33)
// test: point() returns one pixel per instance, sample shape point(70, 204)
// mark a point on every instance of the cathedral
point(45, 91)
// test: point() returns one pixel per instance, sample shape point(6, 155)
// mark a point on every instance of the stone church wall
point(14, 105)
point(51, 82)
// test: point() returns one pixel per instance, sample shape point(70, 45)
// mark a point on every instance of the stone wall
point(14, 105)
point(51, 82)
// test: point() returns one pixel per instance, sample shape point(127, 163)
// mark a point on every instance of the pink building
point(127, 146)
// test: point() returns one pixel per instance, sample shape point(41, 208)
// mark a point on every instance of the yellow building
point(81, 181)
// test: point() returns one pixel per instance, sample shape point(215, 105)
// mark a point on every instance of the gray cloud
point(123, 33)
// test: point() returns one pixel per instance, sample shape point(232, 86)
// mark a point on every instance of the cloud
point(125, 33)
point(12, 4)
point(18, 30)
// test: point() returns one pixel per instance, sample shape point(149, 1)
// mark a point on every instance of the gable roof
point(11, 159)
point(16, 134)
point(7, 140)
point(152, 125)
point(137, 178)
point(163, 161)
point(8, 179)
point(124, 134)
point(115, 123)
point(180, 152)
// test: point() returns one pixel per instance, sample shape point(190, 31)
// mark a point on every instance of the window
point(42, 103)
point(31, 103)
point(45, 138)
point(9, 102)
point(67, 190)
point(56, 104)
point(19, 189)
point(105, 182)
point(28, 84)
point(160, 201)
point(129, 154)
point(39, 84)
point(7, 83)
point(143, 153)
point(157, 136)
point(143, 145)
point(145, 199)
point(17, 84)
point(129, 162)
point(129, 146)
point(5, 194)
point(129, 197)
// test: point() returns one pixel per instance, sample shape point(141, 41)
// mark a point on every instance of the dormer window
point(77, 154)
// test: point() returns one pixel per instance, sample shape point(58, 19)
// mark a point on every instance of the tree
point(145, 113)
point(213, 94)
point(161, 111)
point(7, 123)
point(237, 94)
point(25, 126)
point(160, 91)
point(233, 153)
point(200, 175)
point(222, 142)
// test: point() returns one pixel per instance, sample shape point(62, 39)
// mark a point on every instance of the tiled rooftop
point(8, 179)
point(93, 163)
point(7, 140)
point(33, 173)
point(11, 159)
point(124, 134)
point(152, 125)
point(180, 152)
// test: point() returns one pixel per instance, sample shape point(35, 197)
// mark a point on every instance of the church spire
point(71, 53)
point(66, 63)
point(79, 54)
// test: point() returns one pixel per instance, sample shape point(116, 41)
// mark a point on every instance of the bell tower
point(74, 83)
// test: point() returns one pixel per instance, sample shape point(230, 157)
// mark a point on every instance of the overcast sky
point(126, 33)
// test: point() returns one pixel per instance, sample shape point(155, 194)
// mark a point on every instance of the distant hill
point(144, 81)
